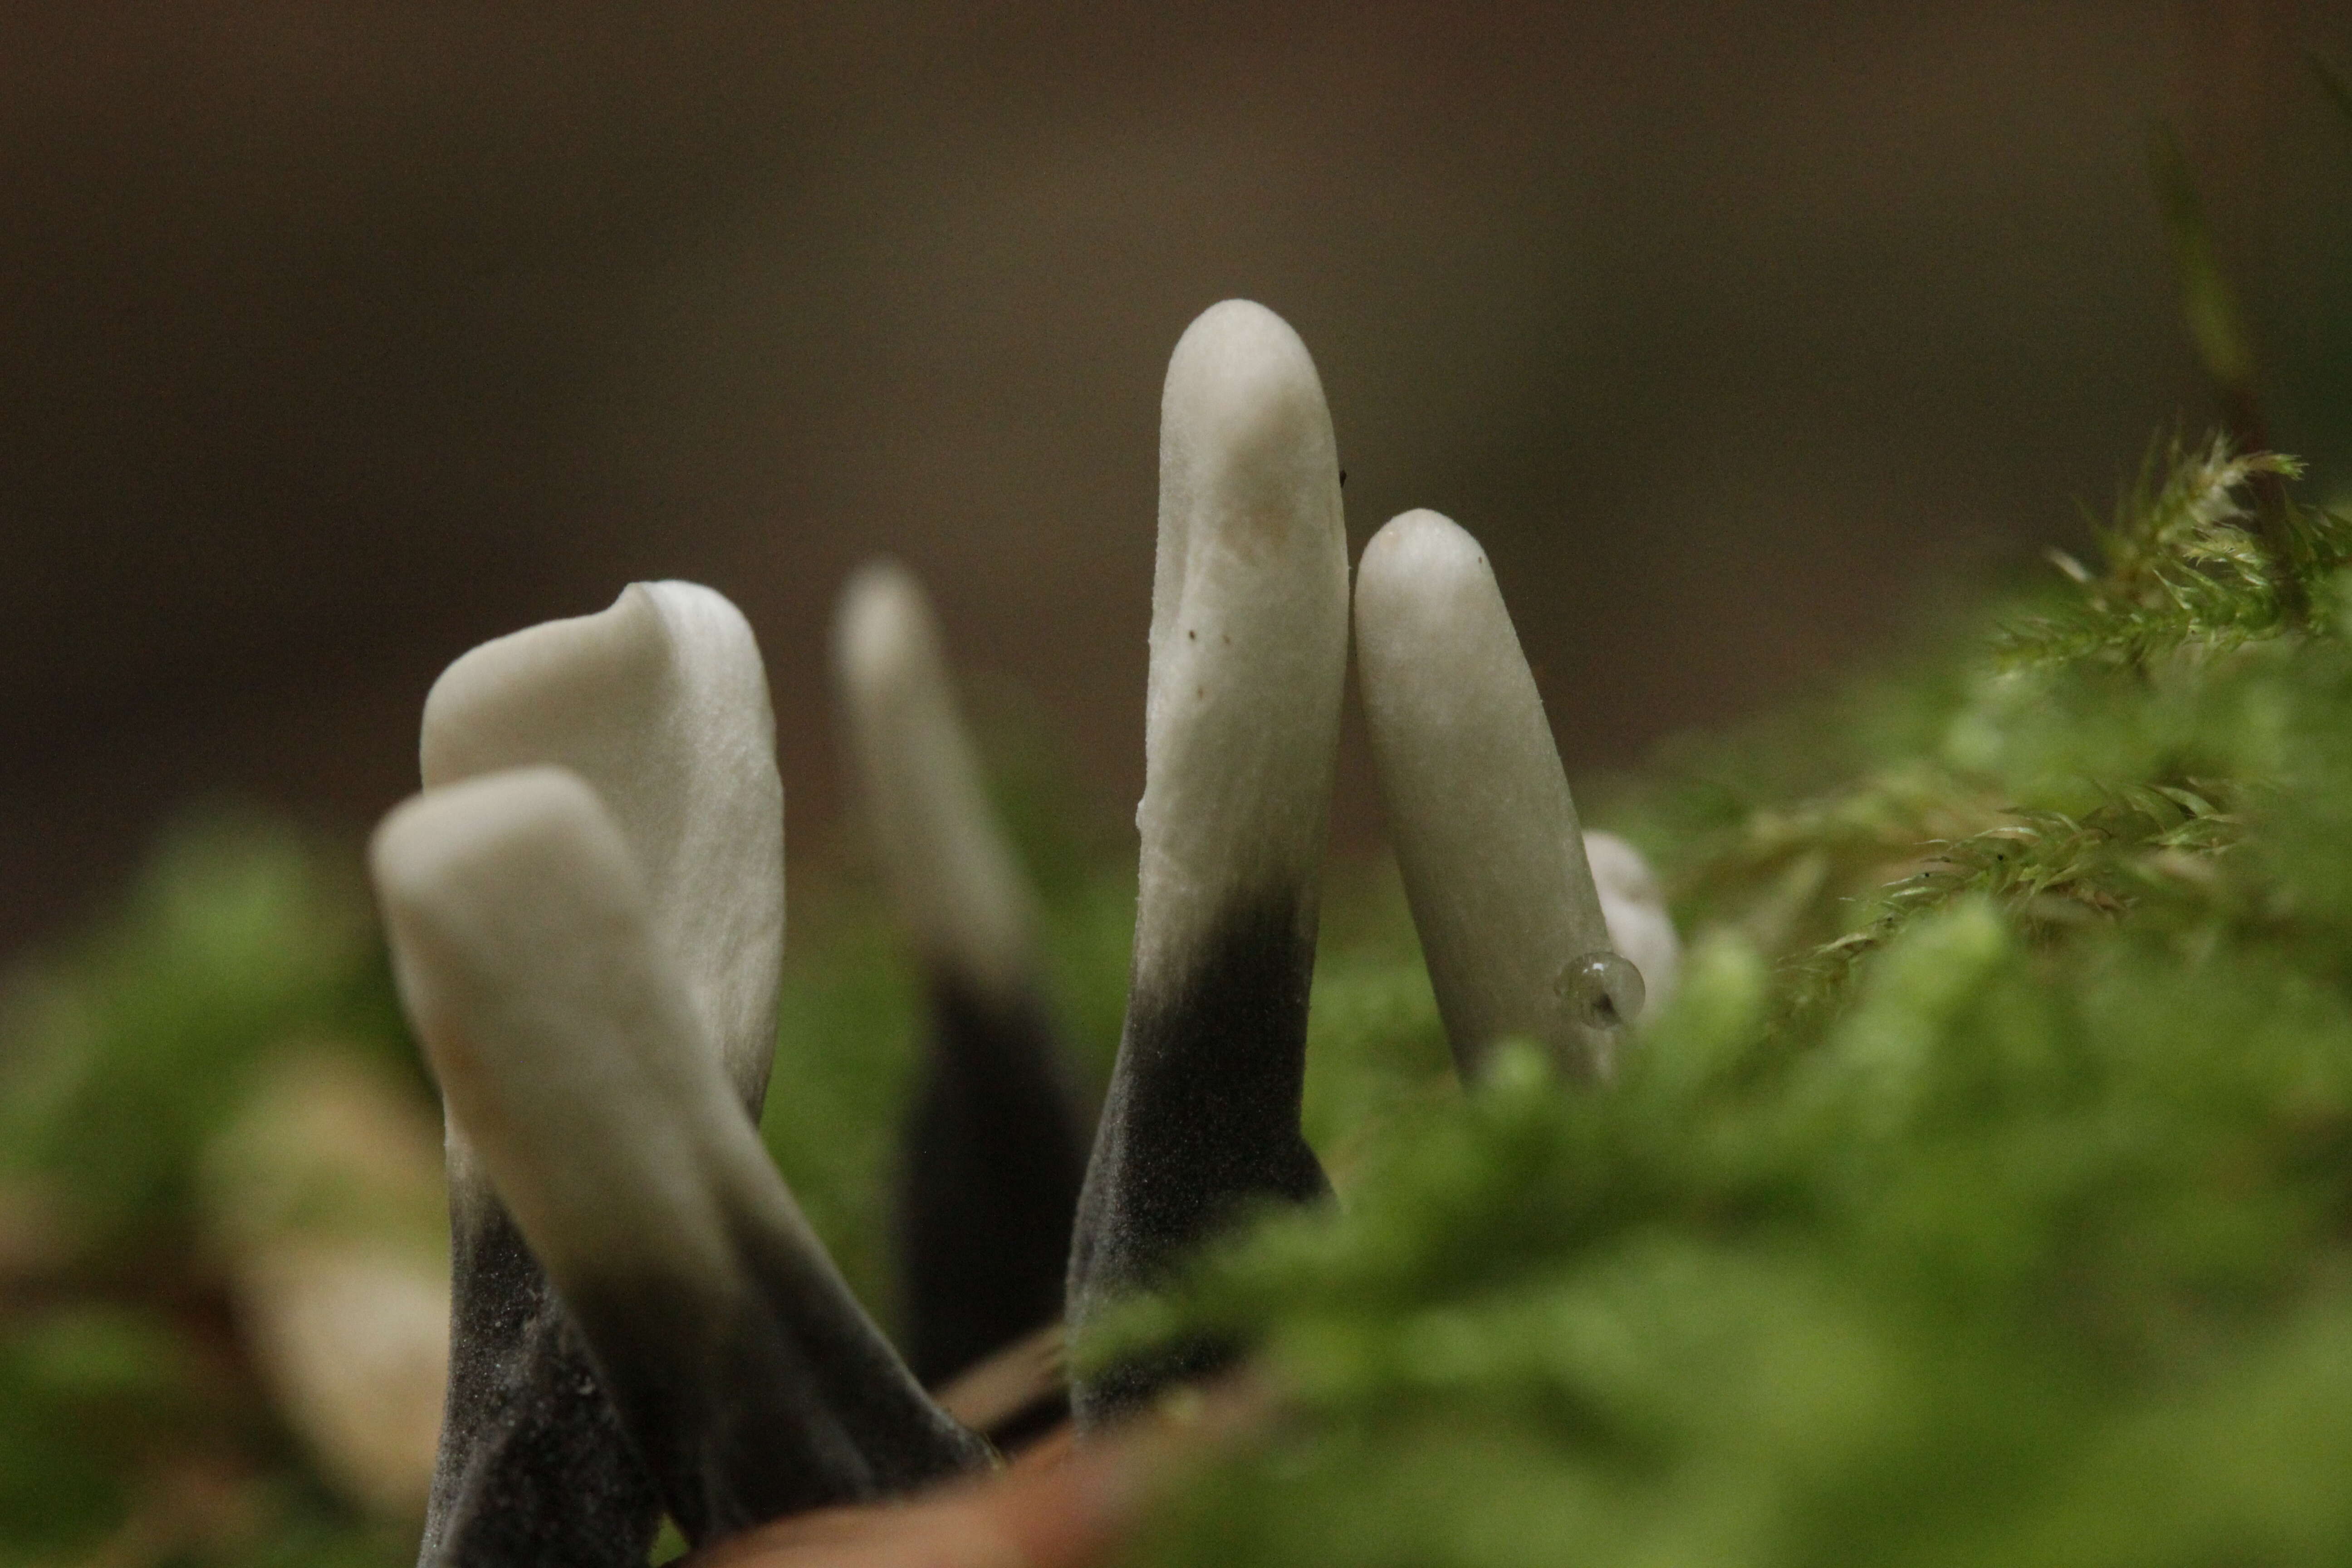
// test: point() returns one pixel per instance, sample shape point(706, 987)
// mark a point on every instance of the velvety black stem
point(753, 1404)
point(1202, 1120)
point(994, 1155)
point(534, 1467)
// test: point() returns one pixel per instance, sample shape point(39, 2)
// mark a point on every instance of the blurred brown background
point(339, 337)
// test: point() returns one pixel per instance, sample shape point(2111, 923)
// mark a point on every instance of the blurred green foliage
point(131, 1428)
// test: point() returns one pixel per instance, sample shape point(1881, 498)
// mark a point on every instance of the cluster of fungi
point(587, 913)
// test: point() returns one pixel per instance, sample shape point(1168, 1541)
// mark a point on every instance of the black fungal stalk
point(765, 1399)
point(1203, 1120)
point(994, 1159)
point(747, 1379)
point(534, 1466)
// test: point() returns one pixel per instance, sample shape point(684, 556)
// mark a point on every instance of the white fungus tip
point(1485, 829)
point(1249, 631)
point(1420, 540)
point(951, 873)
point(660, 704)
point(1243, 389)
point(885, 630)
point(435, 851)
point(561, 1036)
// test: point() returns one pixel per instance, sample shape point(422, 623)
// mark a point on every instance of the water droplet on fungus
point(1602, 991)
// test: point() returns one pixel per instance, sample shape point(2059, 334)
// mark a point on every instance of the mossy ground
point(1984, 1197)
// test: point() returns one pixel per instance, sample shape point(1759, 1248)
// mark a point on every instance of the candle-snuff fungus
point(585, 907)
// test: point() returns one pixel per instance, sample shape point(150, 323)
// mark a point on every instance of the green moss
point(1984, 1197)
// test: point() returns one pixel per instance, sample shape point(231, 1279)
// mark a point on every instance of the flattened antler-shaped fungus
point(661, 704)
point(1249, 641)
point(589, 954)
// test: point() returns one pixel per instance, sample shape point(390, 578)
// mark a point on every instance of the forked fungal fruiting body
point(1478, 808)
point(529, 957)
point(1249, 633)
point(993, 1150)
point(661, 703)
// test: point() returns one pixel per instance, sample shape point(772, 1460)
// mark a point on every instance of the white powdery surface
point(661, 704)
point(1249, 635)
point(951, 872)
point(1478, 808)
point(524, 941)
